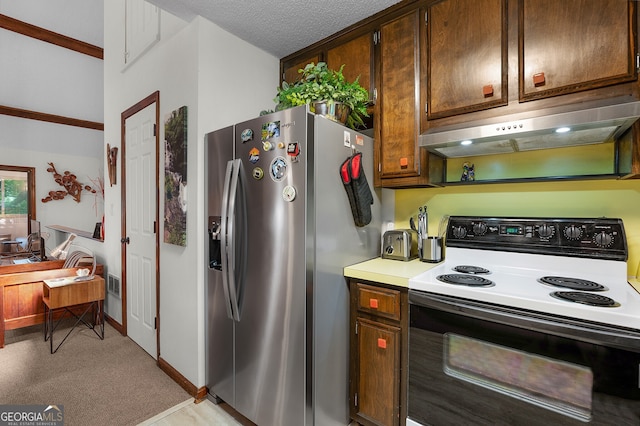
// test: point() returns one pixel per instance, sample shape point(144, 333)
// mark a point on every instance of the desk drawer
point(73, 294)
point(379, 301)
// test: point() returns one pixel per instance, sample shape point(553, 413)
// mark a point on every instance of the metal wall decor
point(69, 182)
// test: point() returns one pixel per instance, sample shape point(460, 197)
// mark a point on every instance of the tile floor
point(189, 413)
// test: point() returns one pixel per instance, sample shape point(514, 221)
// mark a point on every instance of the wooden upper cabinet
point(357, 57)
point(290, 70)
point(467, 56)
point(573, 45)
point(399, 113)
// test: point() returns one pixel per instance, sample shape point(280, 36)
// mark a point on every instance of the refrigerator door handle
point(224, 239)
point(236, 270)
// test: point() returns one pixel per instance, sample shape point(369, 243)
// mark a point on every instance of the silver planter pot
point(336, 111)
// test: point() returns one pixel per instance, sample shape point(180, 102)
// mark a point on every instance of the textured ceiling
point(280, 27)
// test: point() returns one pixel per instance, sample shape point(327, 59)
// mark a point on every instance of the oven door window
point(464, 369)
point(556, 385)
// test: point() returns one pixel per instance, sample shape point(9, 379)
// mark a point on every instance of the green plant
point(317, 83)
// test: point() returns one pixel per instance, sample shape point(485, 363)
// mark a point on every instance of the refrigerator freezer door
point(219, 326)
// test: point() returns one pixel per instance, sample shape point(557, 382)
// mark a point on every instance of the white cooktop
point(516, 278)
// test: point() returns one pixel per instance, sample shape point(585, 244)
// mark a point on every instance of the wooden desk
point(63, 293)
point(21, 292)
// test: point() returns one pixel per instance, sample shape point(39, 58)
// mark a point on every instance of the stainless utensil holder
point(432, 250)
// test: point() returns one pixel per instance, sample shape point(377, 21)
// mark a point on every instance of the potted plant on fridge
point(328, 93)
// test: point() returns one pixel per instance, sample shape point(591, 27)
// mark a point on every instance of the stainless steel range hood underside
point(589, 123)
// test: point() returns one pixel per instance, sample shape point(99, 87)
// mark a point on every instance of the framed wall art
point(175, 177)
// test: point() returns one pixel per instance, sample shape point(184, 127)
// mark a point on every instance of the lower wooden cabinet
point(378, 359)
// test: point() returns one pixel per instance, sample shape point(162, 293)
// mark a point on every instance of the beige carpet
point(99, 382)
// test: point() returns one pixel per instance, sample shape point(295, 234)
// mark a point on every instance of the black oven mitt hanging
point(357, 188)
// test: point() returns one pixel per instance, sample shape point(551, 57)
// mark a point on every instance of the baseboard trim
point(113, 323)
point(178, 378)
point(201, 395)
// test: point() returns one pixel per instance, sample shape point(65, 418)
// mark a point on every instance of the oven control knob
point(573, 232)
point(546, 231)
point(603, 239)
point(480, 228)
point(459, 231)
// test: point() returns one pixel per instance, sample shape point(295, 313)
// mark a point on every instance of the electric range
point(526, 321)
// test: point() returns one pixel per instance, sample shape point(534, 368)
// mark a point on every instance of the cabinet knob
point(382, 343)
point(373, 303)
point(538, 79)
point(487, 91)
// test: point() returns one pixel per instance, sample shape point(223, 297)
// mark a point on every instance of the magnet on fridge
point(293, 149)
point(257, 173)
point(254, 155)
point(289, 193)
point(267, 146)
point(246, 135)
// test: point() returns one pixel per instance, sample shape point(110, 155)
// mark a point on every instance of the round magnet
point(278, 168)
point(246, 135)
point(267, 146)
point(289, 193)
point(258, 173)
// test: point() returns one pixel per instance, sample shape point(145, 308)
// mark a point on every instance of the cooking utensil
point(442, 227)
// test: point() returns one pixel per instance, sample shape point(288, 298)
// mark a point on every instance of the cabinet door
point(378, 373)
point(573, 45)
point(399, 112)
point(467, 50)
point(357, 57)
point(290, 70)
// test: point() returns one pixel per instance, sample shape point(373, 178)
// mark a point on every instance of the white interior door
point(141, 252)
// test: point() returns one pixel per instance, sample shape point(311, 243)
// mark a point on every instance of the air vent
point(113, 285)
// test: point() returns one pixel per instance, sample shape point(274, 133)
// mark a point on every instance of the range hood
point(583, 124)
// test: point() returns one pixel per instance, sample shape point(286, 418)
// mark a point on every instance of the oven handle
point(600, 334)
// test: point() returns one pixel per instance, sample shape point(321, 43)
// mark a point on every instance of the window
point(17, 201)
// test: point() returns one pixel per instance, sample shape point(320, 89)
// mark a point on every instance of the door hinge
point(426, 107)
point(355, 400)
point(155, 227)
point(376, 37)
point(356, 328)
point(375, 95)
point(637, 62)
point(155, 323)
point(426, 17)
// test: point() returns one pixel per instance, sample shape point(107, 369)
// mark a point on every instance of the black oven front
point(472, 363)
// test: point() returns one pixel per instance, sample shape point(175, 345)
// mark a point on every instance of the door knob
point(124, 240)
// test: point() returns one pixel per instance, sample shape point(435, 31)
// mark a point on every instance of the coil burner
point(584, 298)
point(465, 279)
point(573, 283)
point(469, 269)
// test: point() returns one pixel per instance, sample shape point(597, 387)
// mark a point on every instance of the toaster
point(400, 244)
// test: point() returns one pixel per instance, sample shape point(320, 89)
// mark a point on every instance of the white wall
point(43, 77)
point(220, 79)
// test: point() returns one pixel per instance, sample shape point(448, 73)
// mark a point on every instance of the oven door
point(481, 364)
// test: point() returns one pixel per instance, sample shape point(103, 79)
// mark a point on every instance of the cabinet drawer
point(379, 301)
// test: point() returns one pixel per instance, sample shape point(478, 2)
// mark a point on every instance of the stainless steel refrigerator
point(280, 232)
